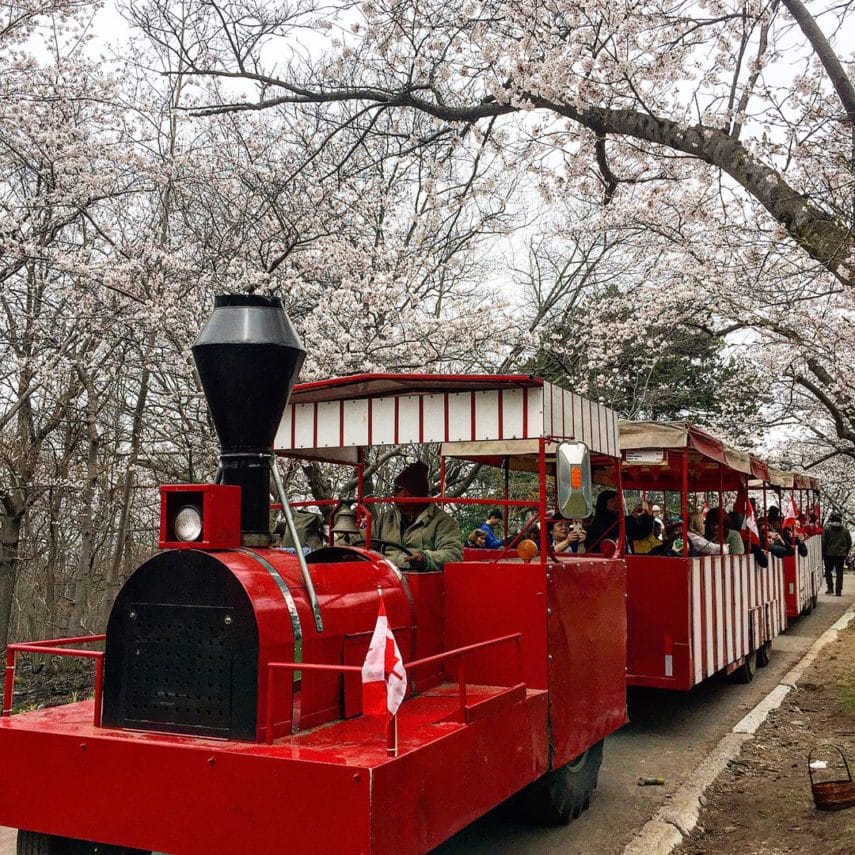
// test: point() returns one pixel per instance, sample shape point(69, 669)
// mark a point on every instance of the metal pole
point(684, 502)
point(301, 559)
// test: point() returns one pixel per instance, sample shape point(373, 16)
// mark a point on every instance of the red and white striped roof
point(330, 419)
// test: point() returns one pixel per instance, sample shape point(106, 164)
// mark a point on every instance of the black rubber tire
point(745, 672)
point(764, 654)
point(35, 843)
point(808, 609)
point(561, 795)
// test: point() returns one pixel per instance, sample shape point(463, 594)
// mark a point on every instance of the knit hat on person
point(414, 478)
point(835, 517)
point(496, 514)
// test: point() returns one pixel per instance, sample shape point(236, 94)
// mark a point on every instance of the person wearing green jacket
point(836, 543)
point(431, 536)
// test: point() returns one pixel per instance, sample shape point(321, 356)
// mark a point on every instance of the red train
point(227, 710)
point(227, 714)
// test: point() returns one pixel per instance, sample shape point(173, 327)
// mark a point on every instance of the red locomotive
point(227, 710)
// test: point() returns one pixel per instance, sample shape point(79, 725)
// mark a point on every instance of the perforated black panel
point(179, 668)
point(182, 650)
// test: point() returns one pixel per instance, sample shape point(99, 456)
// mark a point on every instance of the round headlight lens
point(188, 523)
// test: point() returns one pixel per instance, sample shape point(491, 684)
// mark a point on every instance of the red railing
point(458, 653)
point(55, 647)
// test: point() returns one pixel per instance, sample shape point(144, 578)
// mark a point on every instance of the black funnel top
point(248, 358)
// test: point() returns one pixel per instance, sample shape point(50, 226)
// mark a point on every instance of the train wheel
point(562, 794)
point(764, 654)
point(34, 843)
point(745, 672)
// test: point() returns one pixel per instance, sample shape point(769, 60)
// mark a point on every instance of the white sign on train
point(648, 456)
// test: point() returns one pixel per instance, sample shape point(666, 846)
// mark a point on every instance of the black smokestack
point(248, 358)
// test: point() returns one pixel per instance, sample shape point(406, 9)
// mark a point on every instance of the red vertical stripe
point(341, 405)
point(421, 418)
point(525, 413)
point(315, 425)
point(293, 426)
point(563, 425)
point(371, 421)
point(397, 416)
point(500, 411)
point(472, 412)
point(445, 415)
point(715, 566)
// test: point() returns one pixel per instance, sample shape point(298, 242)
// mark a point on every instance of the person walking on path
point(836, 543)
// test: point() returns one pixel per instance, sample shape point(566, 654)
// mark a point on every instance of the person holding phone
point(568, 536)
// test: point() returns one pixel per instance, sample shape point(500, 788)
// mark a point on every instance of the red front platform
point(330, 789)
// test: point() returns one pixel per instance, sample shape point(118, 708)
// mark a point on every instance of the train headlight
point(188, 523)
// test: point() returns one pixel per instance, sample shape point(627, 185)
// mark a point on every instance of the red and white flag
point(792, 515)
point(384, 680)
point(749, 529)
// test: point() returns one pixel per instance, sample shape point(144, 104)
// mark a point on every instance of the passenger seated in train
point(491, 540)
point(698, 543)
point(672, 539)
point(812, 526)
point(605, 526)
point(642, 540)
point(567, 536)
point(477, 538)
point(782, 541)
point(717, 528)
point(431, 537)
point(310, 531)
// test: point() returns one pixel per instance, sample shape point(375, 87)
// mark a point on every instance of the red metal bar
point(460, 652)
point(621, 546)
point(310, 666)
point(457, 500)
point(684, 502)
point(56, 651)
point(50, 647)
point(269, 718)
point(99, 687)
point(541, 476)
point(10, 680)
point(438, 657)
point(52, 642)
point(720, 523)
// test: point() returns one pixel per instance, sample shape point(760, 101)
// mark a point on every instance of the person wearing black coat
point(836, 543)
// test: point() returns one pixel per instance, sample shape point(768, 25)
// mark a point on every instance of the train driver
point(431, 536)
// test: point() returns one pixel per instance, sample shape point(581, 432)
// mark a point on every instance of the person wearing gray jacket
point(430, 536)
point(836, 543)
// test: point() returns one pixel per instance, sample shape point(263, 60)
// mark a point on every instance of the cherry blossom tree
point(725, 128)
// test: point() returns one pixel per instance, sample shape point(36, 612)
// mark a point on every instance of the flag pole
point(392, 736)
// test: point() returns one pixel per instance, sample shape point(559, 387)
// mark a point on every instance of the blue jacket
point(492, 542)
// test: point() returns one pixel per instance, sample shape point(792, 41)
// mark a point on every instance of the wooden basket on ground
point(834, 794)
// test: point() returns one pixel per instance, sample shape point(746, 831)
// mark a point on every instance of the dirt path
point(762, 803)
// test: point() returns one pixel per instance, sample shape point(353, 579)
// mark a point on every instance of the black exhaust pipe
point(248, 358)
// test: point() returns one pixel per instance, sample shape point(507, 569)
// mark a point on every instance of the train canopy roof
point(472, 415)
point(652, 452)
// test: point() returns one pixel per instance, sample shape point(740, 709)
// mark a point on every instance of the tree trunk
point(10, 525)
